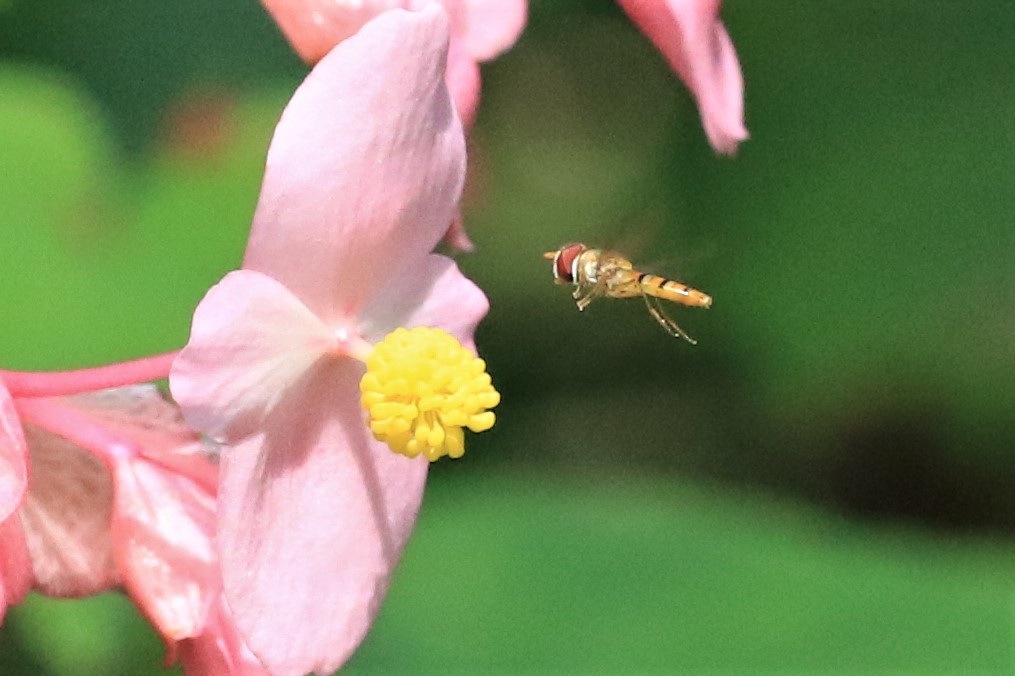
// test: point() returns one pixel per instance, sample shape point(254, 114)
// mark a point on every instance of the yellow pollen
point(421, 388)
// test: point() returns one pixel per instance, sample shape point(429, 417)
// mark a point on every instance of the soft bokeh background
point(826, 482)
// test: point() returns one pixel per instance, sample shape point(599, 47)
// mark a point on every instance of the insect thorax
point(588, 267)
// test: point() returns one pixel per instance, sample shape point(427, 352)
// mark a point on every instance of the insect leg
point(585, 294)
point(671, 326)
point(583, 301)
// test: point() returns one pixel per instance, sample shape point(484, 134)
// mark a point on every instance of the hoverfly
point(595, 273)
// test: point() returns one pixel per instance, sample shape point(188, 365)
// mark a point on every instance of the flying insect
point(600, 273)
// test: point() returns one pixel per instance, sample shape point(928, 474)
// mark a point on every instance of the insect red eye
point(564, 263)
point(562, 268)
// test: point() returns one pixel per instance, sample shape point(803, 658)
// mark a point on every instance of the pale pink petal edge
point(250, 341)
point(435, 293)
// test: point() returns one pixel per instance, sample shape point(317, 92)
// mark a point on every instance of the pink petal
point(366, 166)
point(314, 27)
point(66, 518)
point(313, 519)
point(69, 508)
point(15, 566)
point(13, 456)
point(163, 532)
point(219, 650)
point(140, 410)
point(697, 46)
point(143, 414)
point(433, 293)
point(456, 237)
point(250, 343)
point(162, 522)
point(493, 26)
point(462, 77)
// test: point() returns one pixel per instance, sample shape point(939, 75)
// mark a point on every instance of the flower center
point(421, 388)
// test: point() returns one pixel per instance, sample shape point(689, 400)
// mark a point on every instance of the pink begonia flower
point(696, 45)
point(141, 517)
point(480, 31)
point(363, 174)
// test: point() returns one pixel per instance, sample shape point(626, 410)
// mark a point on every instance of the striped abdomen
point(667, 289)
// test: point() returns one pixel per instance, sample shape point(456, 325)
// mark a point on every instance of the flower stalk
point(77, 381)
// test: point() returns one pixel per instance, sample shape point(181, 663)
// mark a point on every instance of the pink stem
point(61, 383)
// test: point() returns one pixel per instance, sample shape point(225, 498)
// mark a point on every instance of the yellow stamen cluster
point(422, 388)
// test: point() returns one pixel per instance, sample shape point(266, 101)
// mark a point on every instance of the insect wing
point(618, 276)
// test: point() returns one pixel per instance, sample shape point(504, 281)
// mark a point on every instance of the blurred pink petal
point(156, 426)
point(314, 27)
point(493, 26)
point(456, 237)
point(251, 341)
point(122, 493)
point(161, 523)
point(219, 649)
point(694, 42)
point(366, 164)
point(13, 457)
point(462, 78)
point(15, 566)
point(66, 518)
point(163, 529)
point(163, 526)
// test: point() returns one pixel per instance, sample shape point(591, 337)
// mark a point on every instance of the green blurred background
point(825, 483)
